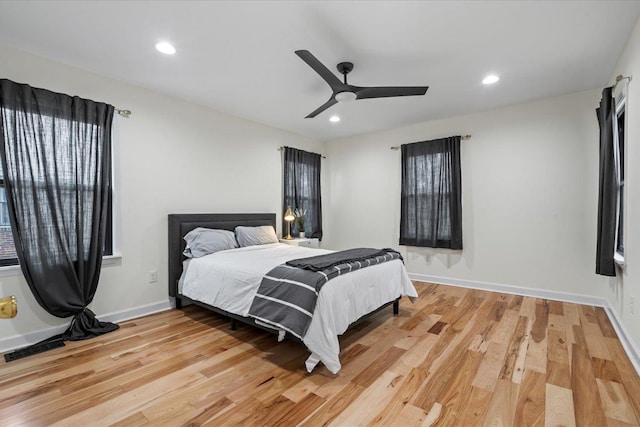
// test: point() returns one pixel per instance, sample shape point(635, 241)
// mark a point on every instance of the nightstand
point(306, 242)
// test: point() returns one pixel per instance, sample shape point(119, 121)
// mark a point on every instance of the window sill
point(10, 270)
point(14, 270)
point(109, 260)
point(618, 258)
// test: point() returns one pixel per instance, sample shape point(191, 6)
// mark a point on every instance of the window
point(618, 151)
point(431, 199)
point(65, 189)
point(7, 248)
point(302, 188)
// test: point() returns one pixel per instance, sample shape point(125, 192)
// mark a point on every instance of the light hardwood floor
point(456, 357)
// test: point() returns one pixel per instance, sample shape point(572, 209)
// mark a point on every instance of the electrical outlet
point(632, 304)
point(153, 276)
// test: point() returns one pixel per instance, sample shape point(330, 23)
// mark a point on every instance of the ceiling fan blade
point(390, 91)
point(319, 68)
point(329, 103)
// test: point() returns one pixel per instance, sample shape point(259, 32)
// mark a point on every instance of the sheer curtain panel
point(431, 194)
point(56, 157)
point(302, 188)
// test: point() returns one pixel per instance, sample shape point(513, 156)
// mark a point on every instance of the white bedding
point(230, 279)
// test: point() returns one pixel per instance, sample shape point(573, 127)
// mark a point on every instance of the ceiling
point(238, 57)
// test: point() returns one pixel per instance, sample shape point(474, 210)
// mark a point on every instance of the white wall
point(619, 291)
point(172, 157)
point(529, 177)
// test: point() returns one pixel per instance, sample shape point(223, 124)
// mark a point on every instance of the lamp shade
point(288, 215)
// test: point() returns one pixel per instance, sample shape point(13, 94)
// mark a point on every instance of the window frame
point(109, 245)
point(425, 192)
point(445, 214)
point(620, 101)
point(7, 262)
point(306, 200)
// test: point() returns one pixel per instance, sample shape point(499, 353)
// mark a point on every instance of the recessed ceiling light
point(490, 79)
point(334, 119)
point(166, 48)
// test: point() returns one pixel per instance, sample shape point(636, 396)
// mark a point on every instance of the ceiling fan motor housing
point(345, 67)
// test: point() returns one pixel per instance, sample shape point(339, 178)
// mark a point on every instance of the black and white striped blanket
point(286, 298)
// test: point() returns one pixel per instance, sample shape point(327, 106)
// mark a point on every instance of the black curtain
point(56, 157)
point(607, 192)
point(431, 194)
point(302, 189)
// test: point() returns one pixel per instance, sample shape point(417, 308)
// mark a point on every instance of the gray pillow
point(261, 235)
point(205, 241)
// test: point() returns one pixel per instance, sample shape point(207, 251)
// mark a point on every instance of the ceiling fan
point(342, 91)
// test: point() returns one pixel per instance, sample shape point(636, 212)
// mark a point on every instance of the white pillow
point(204, 241)
point(261, 235)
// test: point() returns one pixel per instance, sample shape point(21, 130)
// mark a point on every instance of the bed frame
point(181, 224)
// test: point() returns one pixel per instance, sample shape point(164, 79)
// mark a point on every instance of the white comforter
point(230, 279)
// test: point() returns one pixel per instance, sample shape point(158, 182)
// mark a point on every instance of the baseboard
point(19, 341)
point(627, 342)
point(135, 312)
point(630, 347)
point(510, 289)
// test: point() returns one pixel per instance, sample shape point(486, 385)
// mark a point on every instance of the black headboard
point(181, 224)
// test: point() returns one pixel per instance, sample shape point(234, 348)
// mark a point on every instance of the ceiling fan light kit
point(345, 96)
point(344, 92)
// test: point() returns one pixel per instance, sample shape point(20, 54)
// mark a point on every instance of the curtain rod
point(123, 113)
point(282, 148)
point(464, 137)
point(620, 78)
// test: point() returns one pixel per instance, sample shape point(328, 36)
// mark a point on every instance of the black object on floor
point(40, 347)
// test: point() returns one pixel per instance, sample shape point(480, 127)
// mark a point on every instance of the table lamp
point(288, 216)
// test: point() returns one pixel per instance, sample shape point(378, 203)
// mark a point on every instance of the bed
point(226, 282)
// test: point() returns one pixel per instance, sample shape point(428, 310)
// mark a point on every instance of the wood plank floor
point(457, 357)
